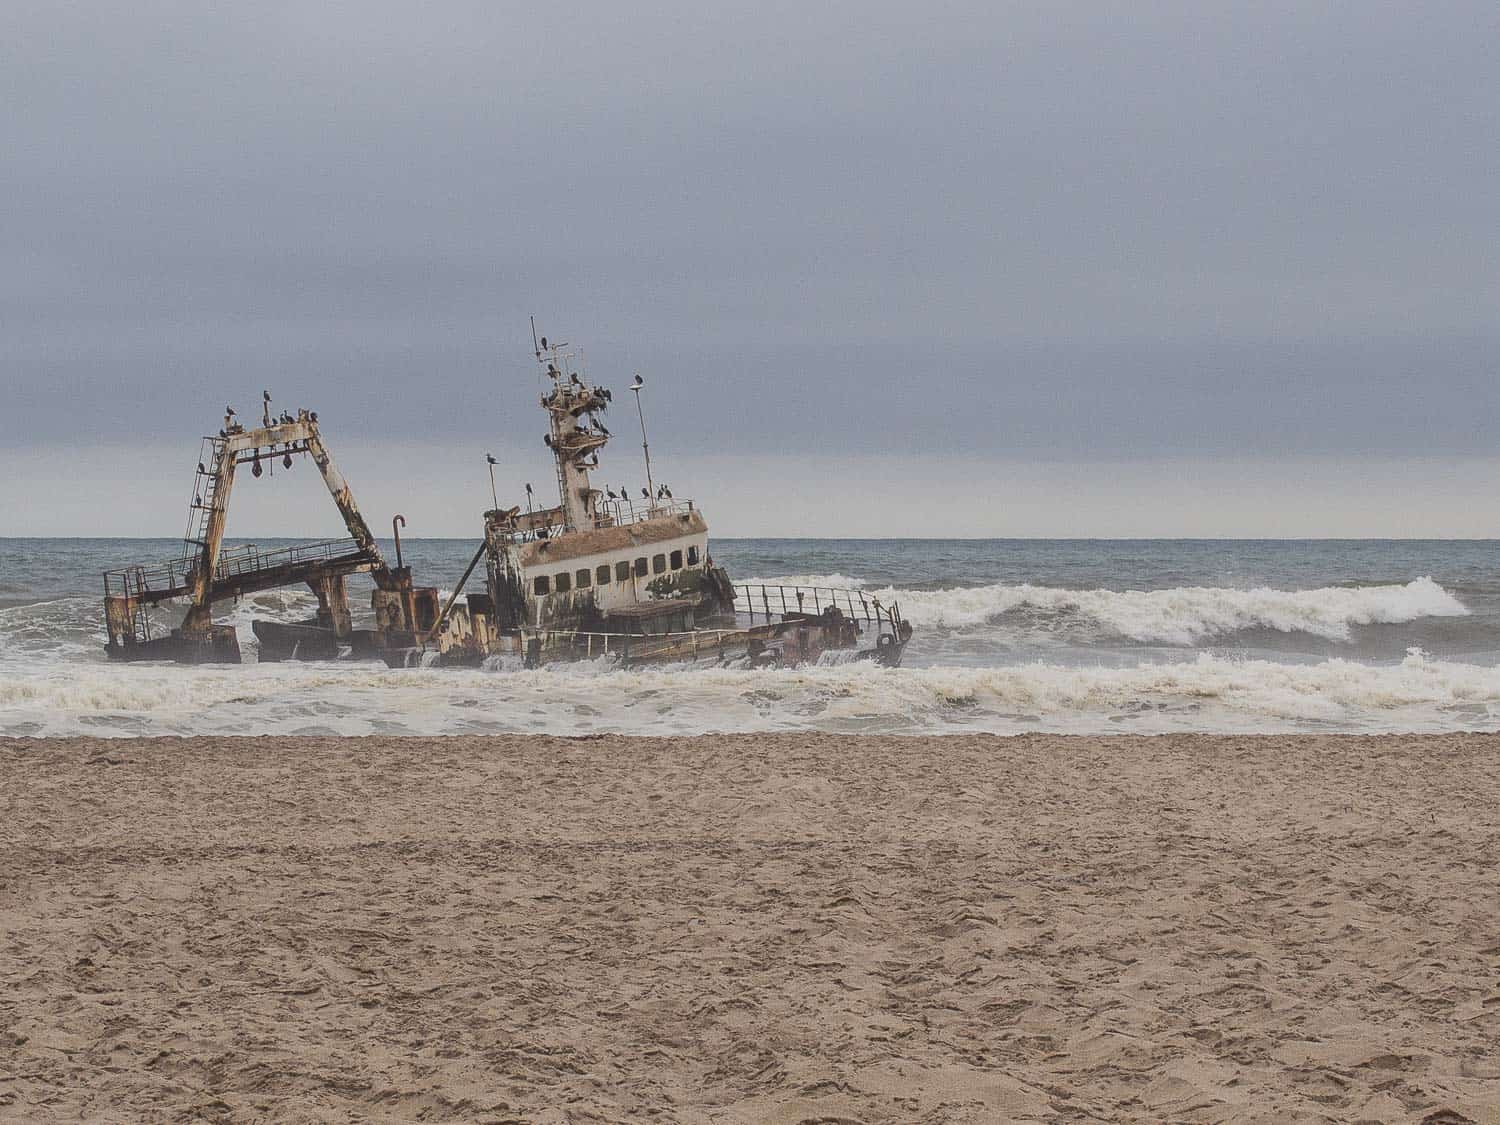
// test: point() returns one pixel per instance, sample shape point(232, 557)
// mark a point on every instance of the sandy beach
point(753, 928)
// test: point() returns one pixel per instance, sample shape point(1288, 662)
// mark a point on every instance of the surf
point(1183, 616)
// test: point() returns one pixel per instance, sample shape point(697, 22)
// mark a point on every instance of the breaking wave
point(985, 658)
point(1181, 616)
point(833, 581)
point(1206, 693)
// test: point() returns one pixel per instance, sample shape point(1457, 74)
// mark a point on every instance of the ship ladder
point(205, 490)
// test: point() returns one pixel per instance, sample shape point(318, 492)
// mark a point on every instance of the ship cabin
point(599, 562)
point(642, 572)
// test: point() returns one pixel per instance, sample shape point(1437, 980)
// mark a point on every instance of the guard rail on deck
point(174, 578)
point(625, 512)
point(605, 644)
point(612, 513)
point(770, 601)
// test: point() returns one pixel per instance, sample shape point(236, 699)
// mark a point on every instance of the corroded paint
point(206, 579)
point(584, 578)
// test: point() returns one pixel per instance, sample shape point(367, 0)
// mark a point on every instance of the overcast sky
point(932, 246)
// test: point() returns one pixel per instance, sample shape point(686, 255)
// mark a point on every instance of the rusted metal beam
point(438, 624)
point(343, 498)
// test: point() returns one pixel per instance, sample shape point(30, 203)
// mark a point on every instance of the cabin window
point(640, 567)
point(541, 584)
point(659, 564)
point(601, 576)
point(622, 572)
point(692, 556)
point(564, 582)
point(676, 560)
point(583, 579)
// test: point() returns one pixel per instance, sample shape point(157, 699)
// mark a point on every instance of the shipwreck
point(626, 576)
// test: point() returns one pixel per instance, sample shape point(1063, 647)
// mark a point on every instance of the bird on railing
point(645, 493)
point(610, 492)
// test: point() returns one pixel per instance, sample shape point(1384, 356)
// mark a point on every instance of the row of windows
point(583, 579)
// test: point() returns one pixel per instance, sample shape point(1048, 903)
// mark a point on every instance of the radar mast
point(574, 436)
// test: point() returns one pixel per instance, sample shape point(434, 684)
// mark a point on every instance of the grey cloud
point(1054, 230)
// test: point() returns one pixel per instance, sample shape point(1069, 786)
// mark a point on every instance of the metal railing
point(626, 512)
point(165, 579)
point(174, 578)
point(770, 601)
point(605, 644)
point(612, 513)
point(235, 562)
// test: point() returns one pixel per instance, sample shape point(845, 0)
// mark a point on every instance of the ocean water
point(1011, 636)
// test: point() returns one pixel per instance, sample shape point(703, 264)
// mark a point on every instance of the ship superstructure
point(608, 573)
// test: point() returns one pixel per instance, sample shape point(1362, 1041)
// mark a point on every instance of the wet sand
point(789, 928)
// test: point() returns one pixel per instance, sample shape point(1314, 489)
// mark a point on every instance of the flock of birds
point(232, 425)
point(662, 493)
point(285, 418)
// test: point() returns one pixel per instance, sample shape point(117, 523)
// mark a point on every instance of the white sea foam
point(1206, 693)
point(71, 629)
point(54, 680)
point(1186, 615)
point(834, 581)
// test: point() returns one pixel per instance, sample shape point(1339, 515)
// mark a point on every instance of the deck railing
point(604, 644)
point(612, 513)
point(174, 577)
point(767, 600)
point(621, 513)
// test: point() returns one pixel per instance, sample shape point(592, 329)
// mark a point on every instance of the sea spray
point(1203, 693)
point(1199, 637)
point(1181, 616)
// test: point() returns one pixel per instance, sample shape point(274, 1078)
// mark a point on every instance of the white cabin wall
point(616, 595)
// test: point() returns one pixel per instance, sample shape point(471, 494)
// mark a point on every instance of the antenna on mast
point(535, 347)
point(645, 446)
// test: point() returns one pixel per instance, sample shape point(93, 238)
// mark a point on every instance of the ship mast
point(574, 437)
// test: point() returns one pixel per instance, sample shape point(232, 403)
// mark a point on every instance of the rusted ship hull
point(788, 640)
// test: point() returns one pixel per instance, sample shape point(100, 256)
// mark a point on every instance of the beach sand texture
point(753, 928)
